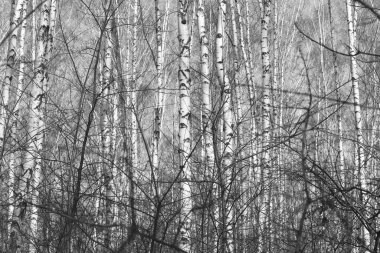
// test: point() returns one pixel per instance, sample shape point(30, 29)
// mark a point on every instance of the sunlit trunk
point(184, 126)
point(226, 187)
point(207, 121)
point(360, 170)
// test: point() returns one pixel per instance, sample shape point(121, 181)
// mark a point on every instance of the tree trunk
point(15, 162)
point(207, 120)
point(266, 169)
point(360, 170)
point(226, 176)
point(341, 173)
point(107, 123)
point(10, 66)
point(159, 98)
point(184, 126)
point(32, 165)
point(49, 49)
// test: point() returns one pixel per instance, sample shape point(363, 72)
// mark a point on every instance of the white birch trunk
point(116, 190)
point(351, 10)
point(228, 125)
point(107, 123)
point(206, 95)
point(240, 176)
point(32, 165)
point(360, 171)
point(159, 98)
point(184, 126)
point(48, 53)
point(236, 84)
point(98, 235)
point(10, 65)
point(134, 123)
point(266, 169)
point(134, 88)
point(45, 49)
point(207, 147)
point(15, 161)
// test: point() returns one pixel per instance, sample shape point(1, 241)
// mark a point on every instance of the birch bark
point(207, 121)
point(159, 97)
point(226, 190)
point(107, 124)
point(48, 53)
point(32, 165)
point(14, 166)
point(206, 92)
point(10, 66)
point(360, 171)
point(184, 125)
point(351, 10)
point(135, 162)
point(266, 169)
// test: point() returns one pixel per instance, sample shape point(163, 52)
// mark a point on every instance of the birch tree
point(184, 126)
point(225, 176)
point(159, 95)
point(266, 104)
point(10, 66)
point(206, 91)
point(207, 120)
point(15, 161)
point(360, 170)
point(107, 122)
point(48, 55)
point(32, 165)
point(134, 124)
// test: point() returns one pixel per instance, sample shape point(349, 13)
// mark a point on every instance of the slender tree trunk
point(32, 165)
point(134, 87)
point(277, 212)
point(227, 191)
point(107, 122)
point(351, 14)
point(266, 169)
point(135, 163)
point(159, 61)
point(10, 66)
point(48, 47)
point(184, 125)
point(48, 54)
point(324, 145)
point(114, 140)
point(159, 98)
point(240, 175)
point(207, 120)
point(360, 170)
point(15, 163)
point(127, 97)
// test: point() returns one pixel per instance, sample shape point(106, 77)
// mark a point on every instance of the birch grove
point(189, 126)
